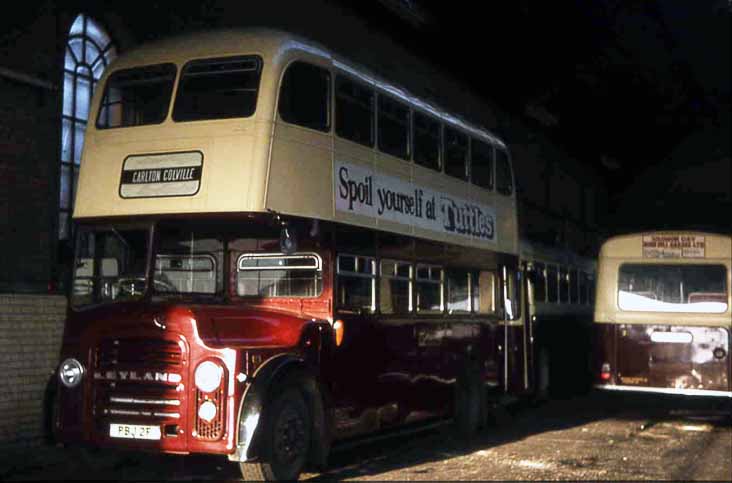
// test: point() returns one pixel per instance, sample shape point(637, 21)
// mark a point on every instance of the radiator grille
point(136, 381)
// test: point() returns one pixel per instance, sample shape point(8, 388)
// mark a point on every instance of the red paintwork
point(206, 330)
point(410, 362)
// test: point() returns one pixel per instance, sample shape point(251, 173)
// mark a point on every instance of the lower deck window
point(672, 288)
point(276, 275)
point(458, 291)
point(395, 287)
point(429, 289)
point(356, 283)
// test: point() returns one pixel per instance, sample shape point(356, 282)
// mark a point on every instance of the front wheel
point(286, 439)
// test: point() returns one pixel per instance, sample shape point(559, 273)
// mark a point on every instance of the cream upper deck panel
point(660, 248)
point(261, 163)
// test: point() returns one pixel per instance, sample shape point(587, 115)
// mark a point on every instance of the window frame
point(509, 164)
point(429, 281)
point(440, 154)
point(181, 76)
point(340, 77)
point(276, 255)
point(347, 273)
point(408, 131)
point(466, 162)
point(492, 170)
point(330, 99)
point(410, 284)
point(102, 105)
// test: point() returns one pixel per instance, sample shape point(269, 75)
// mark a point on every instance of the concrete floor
point(593, 437)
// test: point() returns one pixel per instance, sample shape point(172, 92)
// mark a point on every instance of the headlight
point(70, 372)
point(207, 411)
point(208, 376)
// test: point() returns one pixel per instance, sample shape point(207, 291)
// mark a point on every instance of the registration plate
point(134, 431)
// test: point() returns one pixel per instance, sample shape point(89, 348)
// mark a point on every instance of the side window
point(458, 291)
point(456, 153)
point(395, 287)
point(354, 111)
point(305, 96)
point(583, 285)
point(356, 283)
point(573, 286)
point(481, 164)
point(563, 285)
point(484, 292)
point(429, 288)
point(277, 275)
point(393, 127)
point(539, 282)
point(591, 290)
point(552, 283)
point(427, 140)
point(503, 172)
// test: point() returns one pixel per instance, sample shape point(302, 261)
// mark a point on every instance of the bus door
point(516, 332)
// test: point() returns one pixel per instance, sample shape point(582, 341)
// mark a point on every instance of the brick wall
point(30, 338)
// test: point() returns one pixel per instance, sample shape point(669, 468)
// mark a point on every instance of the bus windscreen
point(672, 288)
point(218, 89)
point(136, 97)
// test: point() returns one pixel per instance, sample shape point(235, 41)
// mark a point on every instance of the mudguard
point(251, 410)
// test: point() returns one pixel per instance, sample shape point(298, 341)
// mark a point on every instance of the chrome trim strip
point(123, 412)
point(662, 390)
point(157, 402)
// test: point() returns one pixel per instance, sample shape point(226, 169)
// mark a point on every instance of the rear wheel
point(470, 404)
point(543, 377)
point(285, 441)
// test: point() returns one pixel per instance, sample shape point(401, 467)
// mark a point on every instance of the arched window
point(88, 52)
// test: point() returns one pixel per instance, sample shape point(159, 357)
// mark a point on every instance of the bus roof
point(271, 43)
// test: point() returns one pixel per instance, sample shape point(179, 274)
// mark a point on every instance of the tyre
point(470, 411)
point(543, 375)
point(286, 438)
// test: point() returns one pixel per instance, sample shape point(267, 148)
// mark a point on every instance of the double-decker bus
point(277, 251)
point(662, 317)
point(560, 297)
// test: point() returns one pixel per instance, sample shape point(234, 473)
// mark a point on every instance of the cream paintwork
point(262, 163)
point(628, 249)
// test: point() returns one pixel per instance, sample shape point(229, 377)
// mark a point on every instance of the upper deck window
point(277, 275)
point(354, 111)
point(672, 288)
point(220, 88)
point(305, 96)
point(427, 141)
point(138, 96)
point(456, 153)
point(481, 164)
point(504, 185)
point(393, 127)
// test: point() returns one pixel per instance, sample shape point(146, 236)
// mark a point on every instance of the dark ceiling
point(617, 80)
